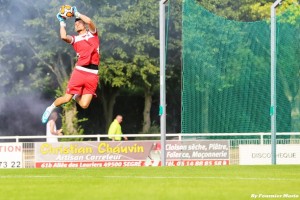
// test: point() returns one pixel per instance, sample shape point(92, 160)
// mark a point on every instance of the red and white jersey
point(87, 47)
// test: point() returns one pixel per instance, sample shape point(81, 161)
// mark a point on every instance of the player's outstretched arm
point(63, 32)
point(86, 19)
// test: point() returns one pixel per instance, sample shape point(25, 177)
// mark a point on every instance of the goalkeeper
point(84, 78)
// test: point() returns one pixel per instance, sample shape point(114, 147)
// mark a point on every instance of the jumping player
point(84, 78)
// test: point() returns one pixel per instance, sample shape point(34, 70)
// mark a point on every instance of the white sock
point(52, 106)
point(75, 96)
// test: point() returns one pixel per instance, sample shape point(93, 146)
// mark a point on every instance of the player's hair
point(77, 19)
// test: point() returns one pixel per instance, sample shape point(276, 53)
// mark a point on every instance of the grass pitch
point(155, 183)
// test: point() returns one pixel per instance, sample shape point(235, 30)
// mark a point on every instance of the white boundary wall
point(235, 139)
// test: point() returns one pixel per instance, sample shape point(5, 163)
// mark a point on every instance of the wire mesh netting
point(226, 74)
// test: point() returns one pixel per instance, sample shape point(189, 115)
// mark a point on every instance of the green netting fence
point(226, 74)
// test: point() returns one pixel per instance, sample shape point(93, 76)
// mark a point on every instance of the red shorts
point(82, 82)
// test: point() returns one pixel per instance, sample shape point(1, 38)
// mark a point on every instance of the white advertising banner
point(131, 153)
point(261, 154)
point(10, 155)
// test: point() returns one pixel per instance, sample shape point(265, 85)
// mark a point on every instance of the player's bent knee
point(84, 105)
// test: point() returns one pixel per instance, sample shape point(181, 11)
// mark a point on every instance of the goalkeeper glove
point(61, 20)
point(76, 13)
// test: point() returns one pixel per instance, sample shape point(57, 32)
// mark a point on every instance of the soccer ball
point(66, 11)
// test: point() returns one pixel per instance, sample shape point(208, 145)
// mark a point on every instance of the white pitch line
point(202, 177)
point(153, 177)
